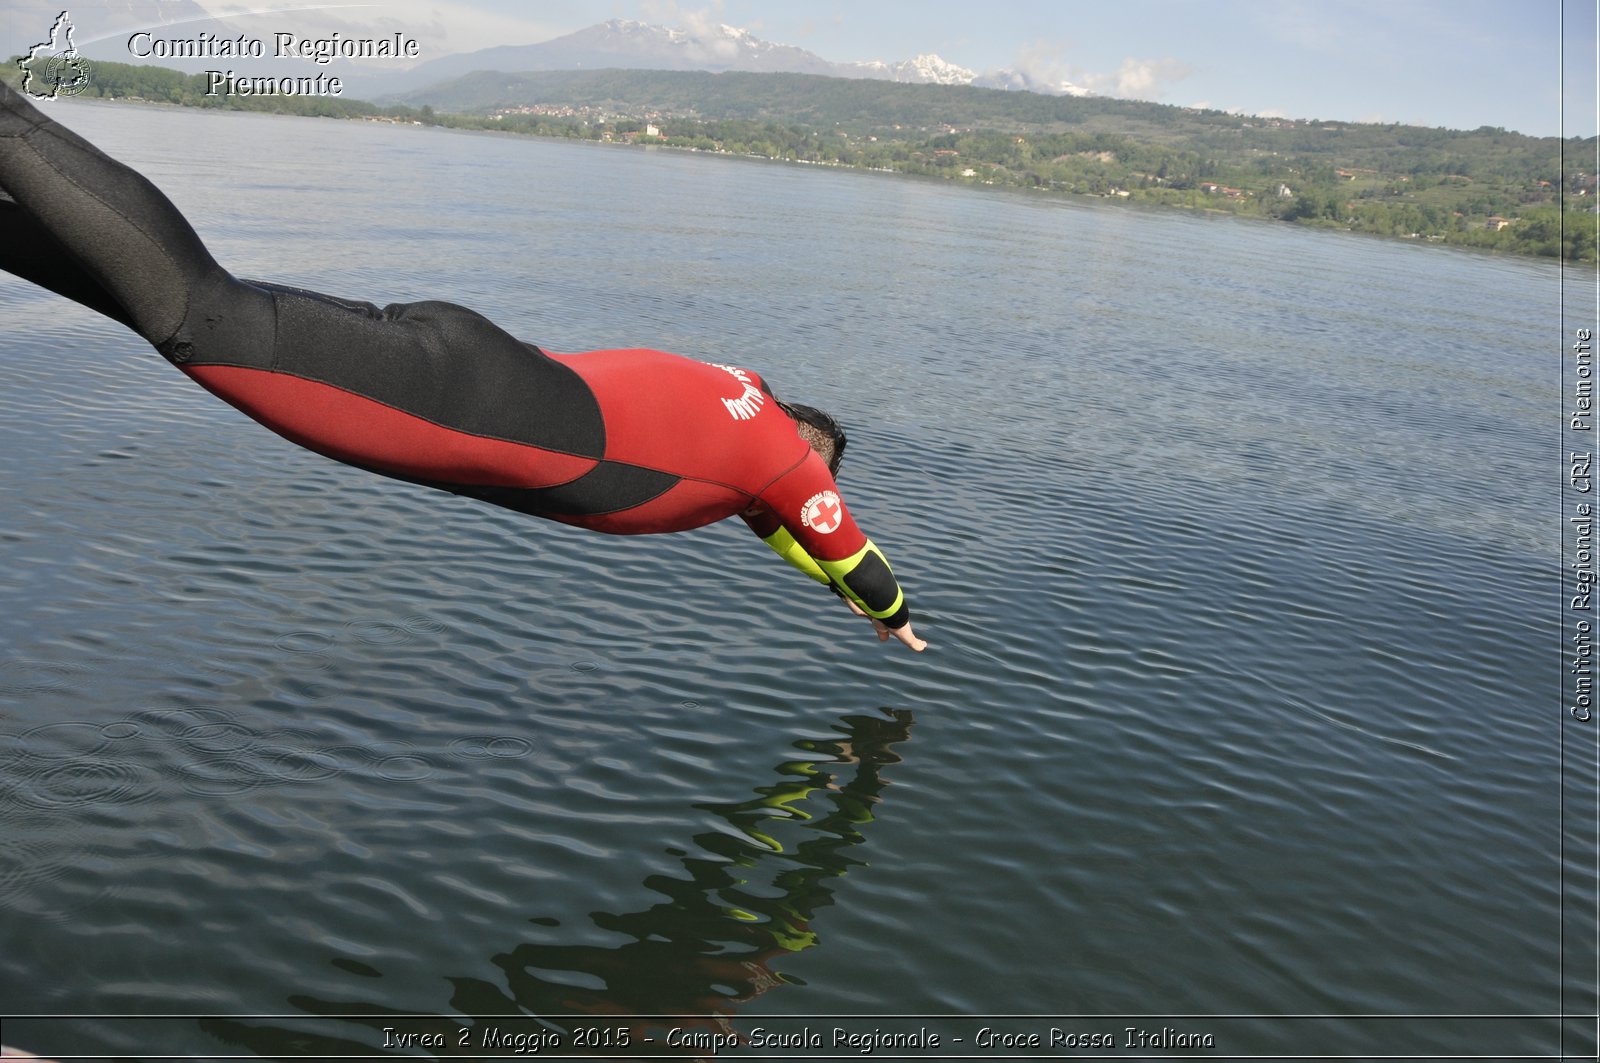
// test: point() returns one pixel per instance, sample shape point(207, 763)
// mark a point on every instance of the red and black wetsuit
point(623, 441)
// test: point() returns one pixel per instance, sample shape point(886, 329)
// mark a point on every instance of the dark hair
point(820, 430)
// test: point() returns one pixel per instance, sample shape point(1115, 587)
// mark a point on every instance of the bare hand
point(903, 632)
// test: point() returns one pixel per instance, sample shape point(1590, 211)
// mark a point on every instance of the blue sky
point(1455, 63)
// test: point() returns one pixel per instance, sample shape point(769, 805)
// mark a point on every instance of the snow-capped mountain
point(924, 69)
point(640, 45)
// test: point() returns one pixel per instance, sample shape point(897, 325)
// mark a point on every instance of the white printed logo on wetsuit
point(823, 513)
point(748, 404)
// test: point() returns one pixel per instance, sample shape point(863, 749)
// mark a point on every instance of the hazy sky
point(1456, 63)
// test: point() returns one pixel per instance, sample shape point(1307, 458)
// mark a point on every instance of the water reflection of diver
point(716, 941)
point(622, 441)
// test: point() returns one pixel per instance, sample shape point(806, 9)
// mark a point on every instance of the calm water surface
point(1236, 546)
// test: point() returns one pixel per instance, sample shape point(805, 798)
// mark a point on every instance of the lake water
point(1237, 546)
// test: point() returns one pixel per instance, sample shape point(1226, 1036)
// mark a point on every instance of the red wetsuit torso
point(716, 430)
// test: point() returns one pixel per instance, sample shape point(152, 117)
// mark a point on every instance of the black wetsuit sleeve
point(865, 579)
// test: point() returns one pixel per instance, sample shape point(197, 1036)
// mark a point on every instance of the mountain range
point(629, 45)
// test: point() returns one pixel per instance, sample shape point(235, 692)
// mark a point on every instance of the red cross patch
point(823, 513)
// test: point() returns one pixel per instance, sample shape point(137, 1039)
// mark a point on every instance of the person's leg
point(29, 251)
point(127, 239)
point(428, 391)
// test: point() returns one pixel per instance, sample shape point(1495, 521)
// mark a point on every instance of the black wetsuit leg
point(110, 240)
point(125, 236)
point(28, 250)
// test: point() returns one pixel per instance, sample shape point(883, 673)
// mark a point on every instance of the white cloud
point(1045, 63)
point(699, 21)
point(1139, 79)
point(704, 24)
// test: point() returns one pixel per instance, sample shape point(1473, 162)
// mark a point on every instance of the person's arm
point(805, 522)
point(770, 531)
